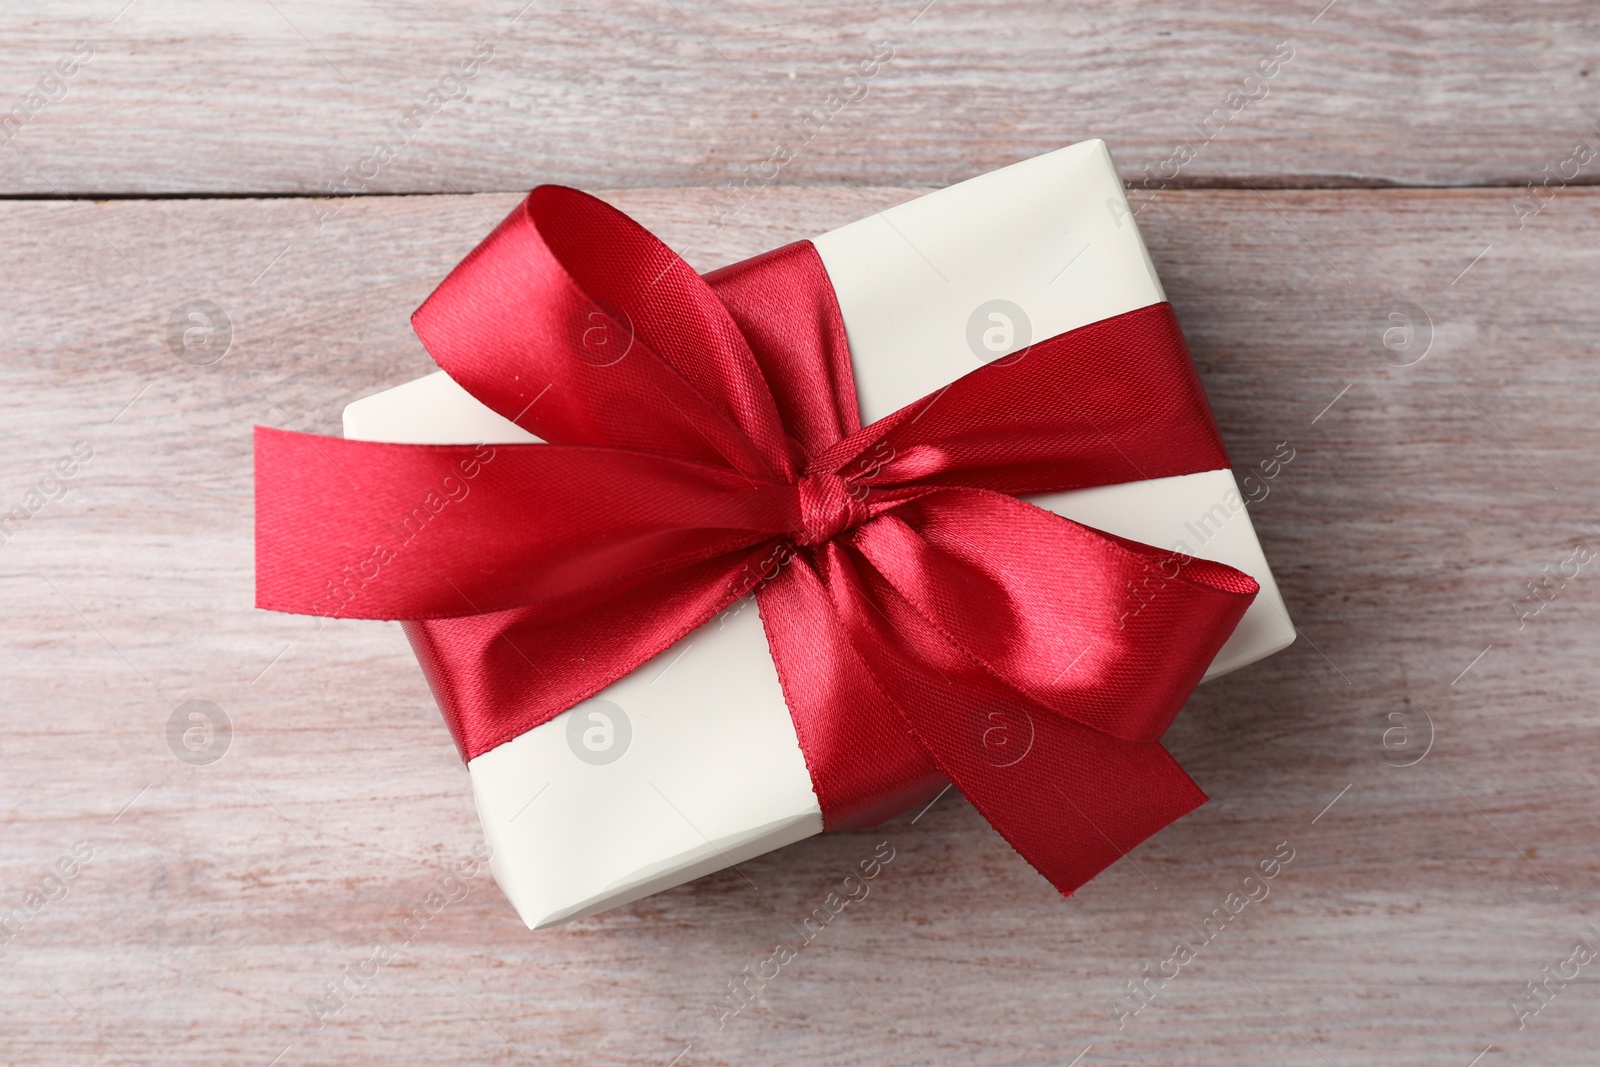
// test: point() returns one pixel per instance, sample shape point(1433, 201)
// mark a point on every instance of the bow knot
point(828, 507)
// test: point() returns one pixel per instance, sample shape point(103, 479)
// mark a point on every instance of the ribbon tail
point(1075, 802)
point(1070, 799)
point(364, 529)
point(865, 765)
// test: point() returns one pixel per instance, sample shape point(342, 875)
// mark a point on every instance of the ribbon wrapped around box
point(955, 454)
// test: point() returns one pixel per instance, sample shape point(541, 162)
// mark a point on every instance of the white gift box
point(691, 763)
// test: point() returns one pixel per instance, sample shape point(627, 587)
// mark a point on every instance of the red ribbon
point(704, 443)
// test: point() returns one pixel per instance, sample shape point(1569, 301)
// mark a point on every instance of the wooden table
point(1426, 750)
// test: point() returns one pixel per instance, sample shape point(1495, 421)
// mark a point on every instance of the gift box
point(692, 762)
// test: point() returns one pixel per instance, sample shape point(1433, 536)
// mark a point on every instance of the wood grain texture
point(221, 898)
point(282, 97)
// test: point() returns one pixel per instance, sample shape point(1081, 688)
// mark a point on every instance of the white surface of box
point(691, 763)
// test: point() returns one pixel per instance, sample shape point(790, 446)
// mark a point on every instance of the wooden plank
point(294, 96)
point(220, 898)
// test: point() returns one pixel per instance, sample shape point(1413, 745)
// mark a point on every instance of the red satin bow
point(705, 442)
